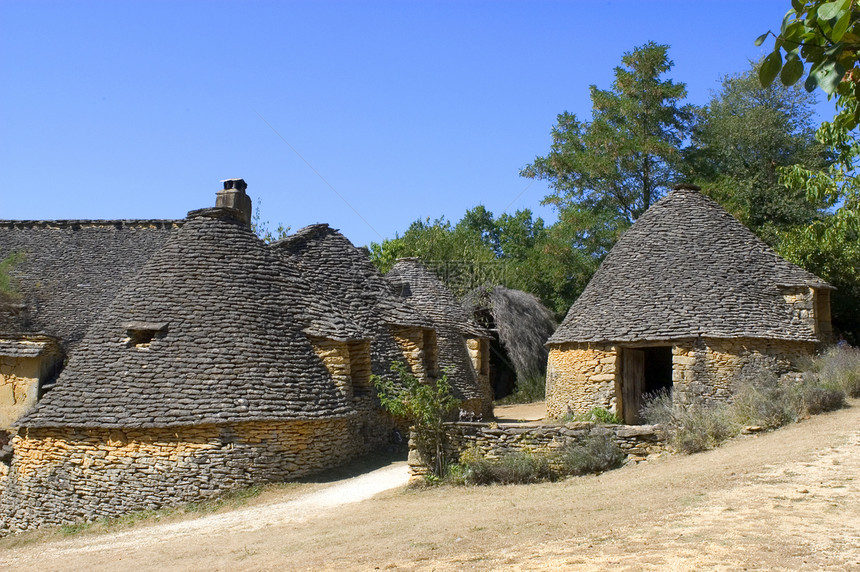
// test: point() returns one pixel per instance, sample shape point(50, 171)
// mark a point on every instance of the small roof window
point(141, 334)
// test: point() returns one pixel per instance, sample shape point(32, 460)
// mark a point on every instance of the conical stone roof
point(344, 276)
point(227, 316)
point(687, 268)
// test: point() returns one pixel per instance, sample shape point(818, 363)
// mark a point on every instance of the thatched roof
point(70, 270)
point(424, 291)
point(224, 318)
point(344, 276)
point(523, 324)
point(688, 268)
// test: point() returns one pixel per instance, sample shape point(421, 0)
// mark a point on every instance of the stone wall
point(495, 440)
point(21, 375)
point(419, 349)
point(60, 476)
point(479, 352)
point(708, 368)
point(580, 377)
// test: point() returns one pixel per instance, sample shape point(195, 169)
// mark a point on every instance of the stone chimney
point(233, 196)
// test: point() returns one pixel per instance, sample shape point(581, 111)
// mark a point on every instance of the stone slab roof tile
point(72, 269)
point(687, 268)
point(232, 349)
point(424, 291)
point(344, 276)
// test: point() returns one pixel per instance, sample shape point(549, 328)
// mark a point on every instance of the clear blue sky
point(408, 109)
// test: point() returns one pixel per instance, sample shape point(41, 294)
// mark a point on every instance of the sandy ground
point(781, 501)
point(521, 412)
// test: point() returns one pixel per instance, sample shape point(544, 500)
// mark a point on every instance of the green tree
point(433, 242)
point(607, 172)
point(740, 141)
point(425, 406)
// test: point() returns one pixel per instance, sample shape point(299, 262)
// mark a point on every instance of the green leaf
point(760, 40)
point(769, 68)
point(791, 72)
point(811, 82)
point(841, 26)
point(797, 5)
point(829, 10)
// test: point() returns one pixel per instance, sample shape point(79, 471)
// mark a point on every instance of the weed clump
point(691, 427)
point(594, 454)
point(761, 399)
point(840, 368)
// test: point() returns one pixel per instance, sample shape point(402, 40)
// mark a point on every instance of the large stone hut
point(202, 375)
point(519, 326)
point(464, 346)
point(686, 301)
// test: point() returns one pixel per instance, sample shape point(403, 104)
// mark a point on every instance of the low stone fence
point(494, 440)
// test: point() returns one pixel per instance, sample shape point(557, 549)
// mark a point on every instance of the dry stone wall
point(708, 368)
point(580, 377)
point(60, 476)
point(496, 440)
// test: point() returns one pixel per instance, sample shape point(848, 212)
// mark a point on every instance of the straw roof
point(523, 324)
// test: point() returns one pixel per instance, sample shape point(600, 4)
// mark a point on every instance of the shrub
point(840, 368)
point(425, 405)
point(596, 415)
point(595, 454)
point(691, 427)
point(510, 469)
point(761, 400)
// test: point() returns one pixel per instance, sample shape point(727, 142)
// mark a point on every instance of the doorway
point(645, 371)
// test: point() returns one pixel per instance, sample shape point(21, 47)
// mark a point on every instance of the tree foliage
point(740, 141)
point(605, 173)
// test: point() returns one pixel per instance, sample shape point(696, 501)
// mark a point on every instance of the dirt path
point(782, 501)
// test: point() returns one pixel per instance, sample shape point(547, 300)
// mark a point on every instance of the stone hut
point(344, 276)
point(464, 346)
point(519, 325)
point(201, 376)
point(66, 272)
point(686, 301)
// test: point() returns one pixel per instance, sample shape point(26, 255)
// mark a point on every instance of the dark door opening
point(503, 376)
point(644, 373)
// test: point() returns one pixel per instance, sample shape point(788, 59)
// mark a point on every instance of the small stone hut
point(686, 301)
point(200, 376)
point(519, 325)
point(67, 271)
point(464, 346)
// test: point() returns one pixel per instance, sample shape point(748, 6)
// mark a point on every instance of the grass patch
point(594, 454)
